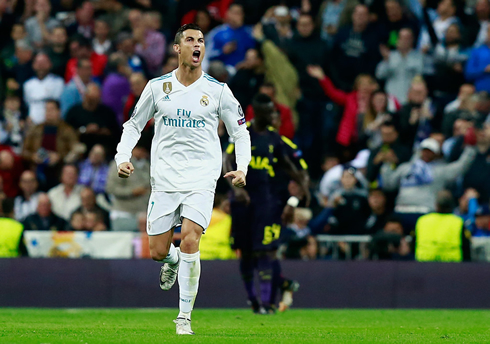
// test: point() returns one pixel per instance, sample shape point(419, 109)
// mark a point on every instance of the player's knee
point(190, 243)
point(158, 254)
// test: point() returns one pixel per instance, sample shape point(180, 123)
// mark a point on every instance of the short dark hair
point(54, 101)
point(261, 99)
point(180, 31)
point(394, 219)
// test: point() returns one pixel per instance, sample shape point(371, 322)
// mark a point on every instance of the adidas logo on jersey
point(166, 98)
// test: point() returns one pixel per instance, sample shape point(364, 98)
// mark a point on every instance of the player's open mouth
point(195, 56)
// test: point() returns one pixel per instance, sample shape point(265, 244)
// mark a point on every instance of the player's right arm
point(143, 112)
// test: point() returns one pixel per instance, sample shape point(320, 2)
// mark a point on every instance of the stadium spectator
point(129, 196)
point(379, 211)
point(150, 45)
point(449, 61)
point(331, 180)
point(482, 16)
point(40, 25)
point(248, 78)
point(355, 50)
point(390, 243)
point(20, 70)
point(11, 242)
point(65, 197)
point(58, 50)
point(285, 118)
point(437, 22)
point(355, 103)
point(351, 207)
point(330, 18)
point(390, 151)
point(96, 122)
point(94, 222)
point(117, 15)
point(49, 144)
point(116, 86)
point(420, 179)
point(230, 41)
point(217, 70)
point(441, 235)
point(125, 44)
point(75, 90)
point(77, 222)
point(12, 123)
point(84, 51)
point(8, 21)
point(479, 224)
point(101, 44)
point(93, 170)
point(217, 244)
point(41, 87)
point(300, 244)
point(478, 169)
point(84, 20)
point(465, 102)
point(306, 48)
point(478, 66)
point(277, 25)
point(397, 19)
point(44, 219)
point(415, 117)
point(89, 204)
point(7, 52)
point(26, 203)
point(10, 171)
point(399, 67)
point(377, 112)
point(137, 83)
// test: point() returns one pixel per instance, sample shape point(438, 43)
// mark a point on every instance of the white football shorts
point(167, 209)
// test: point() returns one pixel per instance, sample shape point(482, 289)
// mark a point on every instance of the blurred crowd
point(388, 100)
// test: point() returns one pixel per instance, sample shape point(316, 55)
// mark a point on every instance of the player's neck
point(187, 76)
point(258, 127)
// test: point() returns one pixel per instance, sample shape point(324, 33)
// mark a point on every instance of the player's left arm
point(297, 171)
point(232, 115)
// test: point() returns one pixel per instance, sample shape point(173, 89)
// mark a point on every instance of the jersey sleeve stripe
point(289, 142)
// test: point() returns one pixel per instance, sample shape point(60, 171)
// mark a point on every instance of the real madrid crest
point(204, 101)
point(167, 87)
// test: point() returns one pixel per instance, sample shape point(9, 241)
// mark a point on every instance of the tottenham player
point(186, 161)
point(255, 228)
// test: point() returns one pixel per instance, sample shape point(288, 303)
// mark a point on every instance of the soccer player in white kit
point(186, 161)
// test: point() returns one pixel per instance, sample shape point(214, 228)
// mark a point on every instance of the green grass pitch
point(241, 326)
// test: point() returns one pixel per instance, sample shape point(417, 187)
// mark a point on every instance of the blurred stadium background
point(396, 136)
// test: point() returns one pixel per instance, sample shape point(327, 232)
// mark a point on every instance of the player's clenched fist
point(125, 169)
point(238, 178)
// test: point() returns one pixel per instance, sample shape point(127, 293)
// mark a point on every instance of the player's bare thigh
point(160, 244)
point(191, 235)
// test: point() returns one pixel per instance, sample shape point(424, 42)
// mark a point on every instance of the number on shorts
point(271, 233)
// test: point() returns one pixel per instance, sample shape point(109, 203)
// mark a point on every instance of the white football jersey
point(186, 153)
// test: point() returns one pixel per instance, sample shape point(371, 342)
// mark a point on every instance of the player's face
point(191, 48)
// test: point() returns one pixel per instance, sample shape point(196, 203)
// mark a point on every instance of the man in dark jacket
point(355, 49)
point(390, 151)
point(44, 219)
point(315, 126)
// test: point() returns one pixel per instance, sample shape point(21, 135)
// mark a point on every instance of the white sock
point(172, 256)
point(189, 272)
